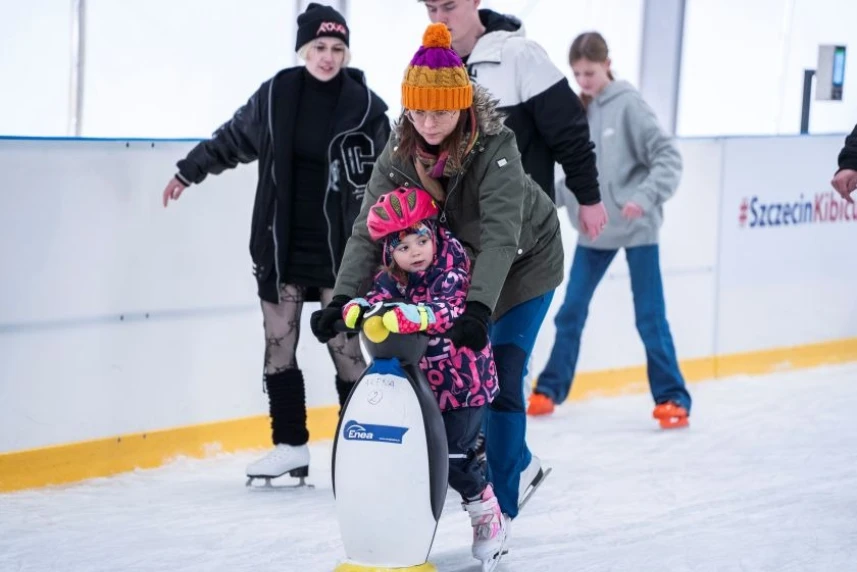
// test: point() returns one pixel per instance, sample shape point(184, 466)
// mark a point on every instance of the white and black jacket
point(263, 130)
point(546, 115)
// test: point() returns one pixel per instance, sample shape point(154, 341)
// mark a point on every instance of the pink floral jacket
point(459, 377)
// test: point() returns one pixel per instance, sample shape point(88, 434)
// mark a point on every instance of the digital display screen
point(839, 66)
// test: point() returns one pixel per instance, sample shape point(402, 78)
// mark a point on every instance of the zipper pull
point(443, 217)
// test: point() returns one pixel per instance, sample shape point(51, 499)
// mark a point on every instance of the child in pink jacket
point(427, 267)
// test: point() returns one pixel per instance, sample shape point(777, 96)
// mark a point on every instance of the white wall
point(35, 67)
point(118, 316)
point(743, 62)
point(166, 68)
point(175, 69)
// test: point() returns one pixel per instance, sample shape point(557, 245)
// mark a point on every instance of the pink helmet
point(398, 210)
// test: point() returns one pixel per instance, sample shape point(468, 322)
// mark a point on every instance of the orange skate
point(670, 415)
point(540, 405)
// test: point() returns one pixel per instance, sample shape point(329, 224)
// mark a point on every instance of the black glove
point(322, 322)
point(470, 330)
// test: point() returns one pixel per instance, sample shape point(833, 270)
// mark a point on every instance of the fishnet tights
point(282, 323)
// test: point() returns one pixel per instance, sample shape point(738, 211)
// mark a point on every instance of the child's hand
point(632, 210)
point(408, 318)
point(352, 313)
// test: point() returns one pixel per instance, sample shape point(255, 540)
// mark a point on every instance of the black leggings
point(282, 323)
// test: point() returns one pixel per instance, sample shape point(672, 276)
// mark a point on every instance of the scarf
point(431, 167)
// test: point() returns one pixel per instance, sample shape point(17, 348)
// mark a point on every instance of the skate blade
point(268, 486)
point(491, 565)
point(301, 473)
point(534, 486)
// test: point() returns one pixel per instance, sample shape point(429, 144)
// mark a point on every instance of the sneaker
point(671, 415)
point(280, 460)
point(540, 405)
point(489, 526)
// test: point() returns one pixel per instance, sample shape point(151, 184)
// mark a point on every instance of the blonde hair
point(303, 52)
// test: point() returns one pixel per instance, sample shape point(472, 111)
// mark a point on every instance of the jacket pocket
point(614, 205)
point(611, 201)
point(527, 240)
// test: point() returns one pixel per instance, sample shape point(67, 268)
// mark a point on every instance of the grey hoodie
point(637, 162)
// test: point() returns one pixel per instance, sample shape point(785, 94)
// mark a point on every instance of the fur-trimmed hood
point(488, 117)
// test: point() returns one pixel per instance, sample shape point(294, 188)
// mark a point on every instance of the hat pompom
point(437, 36)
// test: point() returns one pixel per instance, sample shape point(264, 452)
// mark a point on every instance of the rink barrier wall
point(104, 457)
point(622, 381)
point(130, 334)
point(74, 462)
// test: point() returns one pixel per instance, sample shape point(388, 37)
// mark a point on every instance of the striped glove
point(409, 318)
point(352, 312)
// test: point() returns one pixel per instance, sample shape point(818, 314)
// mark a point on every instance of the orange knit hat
point(436, 79)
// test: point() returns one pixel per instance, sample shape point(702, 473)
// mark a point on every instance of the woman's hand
point(593, 219)
point(323, 322)
point(173, 191)
point(632, 210)
point(470, 330)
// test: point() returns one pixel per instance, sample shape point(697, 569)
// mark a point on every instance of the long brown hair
point(593, 47)
point(409, 139)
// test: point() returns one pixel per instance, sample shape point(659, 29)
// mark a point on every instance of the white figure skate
point(489, 529)
point(531, 479)
point(282, 459)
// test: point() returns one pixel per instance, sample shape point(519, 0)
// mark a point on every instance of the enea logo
point(354, 431)
point(823, 208)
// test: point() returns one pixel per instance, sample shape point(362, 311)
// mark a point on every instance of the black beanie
point(319, 20)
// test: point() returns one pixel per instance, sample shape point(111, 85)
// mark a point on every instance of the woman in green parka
point(451, 141)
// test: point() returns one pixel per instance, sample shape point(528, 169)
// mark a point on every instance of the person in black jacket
point(845, 179)
point(316, 131)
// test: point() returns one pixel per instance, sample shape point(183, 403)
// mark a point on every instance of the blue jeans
point(587, 270)
point(512, 338)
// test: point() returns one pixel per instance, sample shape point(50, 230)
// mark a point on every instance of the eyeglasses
point(419, 116)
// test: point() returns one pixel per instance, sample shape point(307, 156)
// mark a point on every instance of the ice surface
point(765, 479)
